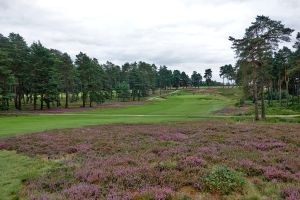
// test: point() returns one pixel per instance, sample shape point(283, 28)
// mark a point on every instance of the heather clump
point(273, 173)
point(267, 145)
point(250, 168)
point(82, 191)
point(291, 193)
point(155, 193)
point(39, 197)
point(167, 164)
point(193, 161)
point(172, 136)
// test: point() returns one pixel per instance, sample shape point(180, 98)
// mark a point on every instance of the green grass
point(176, 107)
point(15, 169)
point(10, 126)
point(181, 103)
point(276, 109)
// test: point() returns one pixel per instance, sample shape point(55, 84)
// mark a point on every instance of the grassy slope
point(14, 169)
point(177, 104)
point(175, 107)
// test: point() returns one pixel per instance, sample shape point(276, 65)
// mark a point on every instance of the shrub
point(185, 197)
point(193, 161)
point(250, 168)
point(83, 191)
point(291, 193)
point(222, 180)
point(167, 165)
point(155, 193)
point(39, 197)
point(271, 173)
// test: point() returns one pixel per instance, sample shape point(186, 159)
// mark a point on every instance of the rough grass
point(275, 109)
point(16, 169)
point(163, 161)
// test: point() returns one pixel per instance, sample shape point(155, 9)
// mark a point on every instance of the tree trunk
point(287, 91)
point(16, 97)
point(263, 110)
point(20, 100)
point(279, 92)
point(58, 102)
point(255, 94)
point(67, 100)
point(30, 99)
point(42, 101)
point(223, 82)
point(271, 92)
point(24, 99)
point(48, 104)
point(269, 96)
point(255, 99)
point(83, 99)
point(298, 93)
point(27, 98)
point(34, 101)
point(139, 95)
point(7, 104)
point(294, 93)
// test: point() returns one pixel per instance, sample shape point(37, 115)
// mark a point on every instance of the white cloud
point(184, 34)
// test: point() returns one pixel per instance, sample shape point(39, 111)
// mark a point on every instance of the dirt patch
point(233, 110)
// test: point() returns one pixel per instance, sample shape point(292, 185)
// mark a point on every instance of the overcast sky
point(182, 34)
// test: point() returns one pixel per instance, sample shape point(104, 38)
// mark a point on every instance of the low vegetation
point(164, 161)
point(222, 180)
point(17, 169)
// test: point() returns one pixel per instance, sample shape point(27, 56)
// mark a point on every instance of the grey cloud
point(193, 41)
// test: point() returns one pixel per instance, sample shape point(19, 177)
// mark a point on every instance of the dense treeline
point(265, 69)
point(38, 76)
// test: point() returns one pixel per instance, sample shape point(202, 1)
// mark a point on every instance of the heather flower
point(39, 197)
point(172, 136)
point(250, 168)
point(173, 151)
point(82, 191)
point(156, 193)
point(125, 159)
point(268, 145)
point(297, 175)
point(91, 175)
point(272, 173)
point(115, 194)
point(193, 161)
point(3, 146)
point(207, 150)
point(291, 193)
